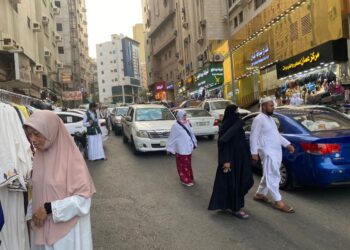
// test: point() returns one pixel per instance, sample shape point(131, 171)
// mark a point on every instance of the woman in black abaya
point(234, 175)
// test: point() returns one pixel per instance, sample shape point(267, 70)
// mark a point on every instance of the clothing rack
point(8, 96)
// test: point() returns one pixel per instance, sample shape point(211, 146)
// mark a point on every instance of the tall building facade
point(73, 47)
point(28, 48)
point(139, 36)
point(278, 42)
point(119, 72)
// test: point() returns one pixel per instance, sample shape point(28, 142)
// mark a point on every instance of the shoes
point(188, 184)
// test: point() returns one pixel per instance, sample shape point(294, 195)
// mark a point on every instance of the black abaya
point(230, 188)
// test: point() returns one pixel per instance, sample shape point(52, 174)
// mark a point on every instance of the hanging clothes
point(15, 169)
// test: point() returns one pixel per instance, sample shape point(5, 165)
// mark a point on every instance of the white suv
point(147, 127)
point(216, 107)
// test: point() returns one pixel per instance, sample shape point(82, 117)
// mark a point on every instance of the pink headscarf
point(59, 172)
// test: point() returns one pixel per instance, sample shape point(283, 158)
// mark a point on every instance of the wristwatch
point(48, 208)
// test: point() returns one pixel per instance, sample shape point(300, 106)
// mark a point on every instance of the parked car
point(74, 123)
point(202, 122)
point(321, 137)
point(147, 127)
point(189, 104)
point(216, 107)
point(116, 119)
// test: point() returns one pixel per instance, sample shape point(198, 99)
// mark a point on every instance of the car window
point(70, 118)
point(206, 106)
point(220, 105)
point(153, 114)
point(248, 124)
point(121, 111)
point(197, 113)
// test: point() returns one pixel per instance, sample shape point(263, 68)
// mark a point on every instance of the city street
point(140, 204)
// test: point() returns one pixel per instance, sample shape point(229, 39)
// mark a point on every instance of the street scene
point(174, 124)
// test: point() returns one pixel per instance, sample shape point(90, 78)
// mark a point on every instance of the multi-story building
point(119, 72)
point(161, 58)
point(275, 42)
point(139, 36)
point(93, 92)
point(28, 48)
point(73, 48)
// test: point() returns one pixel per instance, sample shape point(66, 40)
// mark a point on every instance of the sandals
point(261, 198)
point(241, 215)
point(285, 208)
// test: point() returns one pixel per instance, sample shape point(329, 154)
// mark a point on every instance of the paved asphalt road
point(140, 204)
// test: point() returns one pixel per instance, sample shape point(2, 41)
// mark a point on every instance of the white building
point(118, 70)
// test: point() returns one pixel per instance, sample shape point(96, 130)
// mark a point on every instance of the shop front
point(160, 91)
point(316, 76)
point(208, 82)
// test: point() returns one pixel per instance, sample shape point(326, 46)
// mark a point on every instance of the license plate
point(162, 143)
point(202, 124)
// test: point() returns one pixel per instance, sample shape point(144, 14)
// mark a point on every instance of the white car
point(74, 123)
point(147, 127)
point(203, 124)
point(216, 107)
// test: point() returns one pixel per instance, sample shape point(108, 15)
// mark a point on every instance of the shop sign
point(260, 56)
point(170, 87)
point(332, 51)
point(209, 77)
point(159, 86)
point(72, 95)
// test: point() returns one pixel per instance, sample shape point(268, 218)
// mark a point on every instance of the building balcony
point(162, 22)
point(160, 46)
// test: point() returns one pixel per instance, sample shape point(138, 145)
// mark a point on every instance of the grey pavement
point(140, 204)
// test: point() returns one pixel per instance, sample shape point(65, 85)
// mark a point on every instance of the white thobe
point(79, 237)
point(95, 142)
point(266, 141)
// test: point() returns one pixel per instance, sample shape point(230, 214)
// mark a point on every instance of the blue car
point(321, 137)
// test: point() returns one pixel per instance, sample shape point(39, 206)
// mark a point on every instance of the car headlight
point(142, 134)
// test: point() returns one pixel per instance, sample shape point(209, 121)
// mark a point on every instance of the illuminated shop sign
point(209, 77)
point(332, 51)
point(260, 56)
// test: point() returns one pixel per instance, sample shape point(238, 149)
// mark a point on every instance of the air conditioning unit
point(185, 25)
point(218, 58)
point(203, 23)
point(200, 40)
point(47, 53)
point(45, 19)
point(39, 68)
point(56, 10)
point(8, 43)
point(58, 38)
point(36, 27)
point(59, 65)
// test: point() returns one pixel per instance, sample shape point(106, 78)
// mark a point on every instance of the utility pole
point(230, 49)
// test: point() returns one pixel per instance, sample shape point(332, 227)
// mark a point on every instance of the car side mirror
point(127, 118)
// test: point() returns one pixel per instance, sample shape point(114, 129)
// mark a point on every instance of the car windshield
point(153, 114)
point(197, 113)
point(219, 105)
point(121, 111)
point(316, 120)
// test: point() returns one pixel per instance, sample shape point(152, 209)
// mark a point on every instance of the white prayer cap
point(266, 99)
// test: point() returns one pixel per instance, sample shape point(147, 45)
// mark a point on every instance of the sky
point(107, 17)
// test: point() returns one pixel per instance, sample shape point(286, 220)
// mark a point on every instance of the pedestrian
point(62, 187)
point(94, 134)
point(266, 143)
point(182, 142)
point(234, 177)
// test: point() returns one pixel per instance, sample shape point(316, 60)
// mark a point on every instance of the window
point(115, 61)
point(102, 72)
point(101, 54)
point(61, 50)
point(101, 63)
point(240, 17)
point(104, 90)
point(258, 3)
point(70, 119)
point(115, 70)
point(248, 124)
point(58, 4)
point(103, 81)
point(59, 27)
point(236, 22)
point(28, 22)
point(169, 54)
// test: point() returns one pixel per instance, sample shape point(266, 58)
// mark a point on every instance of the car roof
point(216, 100)
point(190, 108)
point(69, 113)
point(140, 106)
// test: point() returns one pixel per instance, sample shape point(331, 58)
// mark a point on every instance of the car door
point(128, 124)
point(73, 123)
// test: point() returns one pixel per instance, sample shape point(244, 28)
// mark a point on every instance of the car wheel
point(125, 139)
point(211, 137)
point(136, 152)
point(286, 182)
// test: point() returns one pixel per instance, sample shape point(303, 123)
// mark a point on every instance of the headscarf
point(59, 171)
point(230, 117)
point(180, 115)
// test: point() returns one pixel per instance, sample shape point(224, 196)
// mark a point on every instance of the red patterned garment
point(184, 168)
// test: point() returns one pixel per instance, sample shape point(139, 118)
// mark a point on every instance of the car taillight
point(320, 148)
point(103, 124)
point(216, 123)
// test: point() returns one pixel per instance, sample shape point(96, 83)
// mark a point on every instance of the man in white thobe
point(94, 134)
point(266, 142)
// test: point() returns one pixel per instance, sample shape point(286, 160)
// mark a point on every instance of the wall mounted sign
point(260, 56)
point(209, 77)
point(332, 51)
